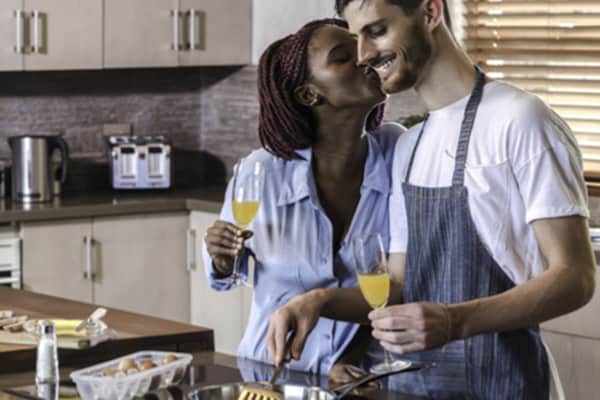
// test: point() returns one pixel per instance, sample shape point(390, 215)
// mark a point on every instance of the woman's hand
point(223, 242)
point(411, 327)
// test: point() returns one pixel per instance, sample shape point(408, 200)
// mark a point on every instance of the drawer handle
point(175, 14)
point(36, 48)
point(20, 24)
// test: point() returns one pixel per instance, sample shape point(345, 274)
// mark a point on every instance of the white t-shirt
point(523, 164)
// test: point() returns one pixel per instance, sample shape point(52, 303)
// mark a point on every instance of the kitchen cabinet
point(54, 259)
point(135, 263)
point(11, 37)
point(225, 312)
point(43, 35)
point(168, 33)
point(578, 362)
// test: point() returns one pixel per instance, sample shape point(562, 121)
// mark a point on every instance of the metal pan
point(293, 392)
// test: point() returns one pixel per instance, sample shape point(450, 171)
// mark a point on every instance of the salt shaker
point(46, 371)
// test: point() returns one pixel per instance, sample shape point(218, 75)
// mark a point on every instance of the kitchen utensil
point(294, 392)
point(32, 178)
point(91, 322)
point(257, 391)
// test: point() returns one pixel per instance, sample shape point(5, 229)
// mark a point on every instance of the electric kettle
point(32, 172)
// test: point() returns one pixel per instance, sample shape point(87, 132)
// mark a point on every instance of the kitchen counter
point(208, 199)
point(209, 368)
point(135, 332)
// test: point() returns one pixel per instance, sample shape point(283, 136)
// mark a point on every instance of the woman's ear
point(307, 96)
point(434, 13)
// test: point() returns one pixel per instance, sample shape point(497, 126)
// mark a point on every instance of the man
point(488, 220)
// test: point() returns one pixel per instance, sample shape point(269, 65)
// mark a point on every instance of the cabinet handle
point(175, 14)
point(20, 24)
point(89, 242)
point(192, 29)
point(191, 250)
point(36, 48)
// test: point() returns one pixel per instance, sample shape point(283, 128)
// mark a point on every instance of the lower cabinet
point(224, 312)
point(135, 263)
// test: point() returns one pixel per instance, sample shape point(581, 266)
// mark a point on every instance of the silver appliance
point(32, 173)
point(140, 162)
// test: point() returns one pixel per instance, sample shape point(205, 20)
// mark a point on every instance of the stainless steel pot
point(293, 392)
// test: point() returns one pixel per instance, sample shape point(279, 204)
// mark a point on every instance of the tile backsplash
point(209, 114)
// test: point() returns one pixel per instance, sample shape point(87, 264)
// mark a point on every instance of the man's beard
point(408, 73)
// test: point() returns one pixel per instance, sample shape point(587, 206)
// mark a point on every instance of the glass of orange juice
point(247, 186)
point(370, 263)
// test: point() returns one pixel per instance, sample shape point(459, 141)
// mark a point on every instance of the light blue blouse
point(292, 246)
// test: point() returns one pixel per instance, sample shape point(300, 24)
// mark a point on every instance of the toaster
point(139, 162)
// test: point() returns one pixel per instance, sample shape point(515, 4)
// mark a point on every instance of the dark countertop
point(135, 332)
point(208, 199)
point(209, 368)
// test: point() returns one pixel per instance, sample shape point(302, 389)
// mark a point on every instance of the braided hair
point(285, 125)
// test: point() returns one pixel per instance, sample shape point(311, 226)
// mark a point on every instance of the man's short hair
point(408, 6)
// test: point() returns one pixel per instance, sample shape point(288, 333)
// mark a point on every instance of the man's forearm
point(555, 292)
point(348, 304)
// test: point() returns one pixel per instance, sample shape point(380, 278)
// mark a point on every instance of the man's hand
point(300, 315)
point(411, 327)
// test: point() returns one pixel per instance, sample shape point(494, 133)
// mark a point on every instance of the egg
point(127, 364)
point(110, 372)
point(147, 365)
point(169, 359)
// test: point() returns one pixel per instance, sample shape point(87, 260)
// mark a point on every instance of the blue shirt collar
point(301, 185)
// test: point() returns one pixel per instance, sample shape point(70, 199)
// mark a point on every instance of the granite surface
point(209, 199)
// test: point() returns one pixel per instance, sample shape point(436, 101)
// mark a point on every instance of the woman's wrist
point(459, 327)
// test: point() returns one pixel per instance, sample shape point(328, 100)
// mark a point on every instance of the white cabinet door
point(54, 259)
point(68, 34)
point(219, 30)
point(583, 322)
point(141, 264)
point(12, 33)
point(225, 312)
point(141, 33)
point(578, 363)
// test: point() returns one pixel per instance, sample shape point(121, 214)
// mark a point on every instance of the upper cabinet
point(169, 33)
point(273, 19)
point(44, 35)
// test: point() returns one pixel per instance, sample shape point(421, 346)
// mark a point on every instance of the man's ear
point(434, 13)
point(307, 95)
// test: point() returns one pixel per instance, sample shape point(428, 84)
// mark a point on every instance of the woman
point(325, 182)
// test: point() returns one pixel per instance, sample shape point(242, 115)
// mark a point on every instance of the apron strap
point(458, 179)
point(412, 156)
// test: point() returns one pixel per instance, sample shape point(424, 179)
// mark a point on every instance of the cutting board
point(63, 342)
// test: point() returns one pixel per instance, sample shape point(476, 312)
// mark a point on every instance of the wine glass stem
point(387, 357)
point(237, 263)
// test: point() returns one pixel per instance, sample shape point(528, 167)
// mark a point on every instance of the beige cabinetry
point(135, 263)
point(574, 340)
point(54, 258)
point(11, 35)
point(51, 35)
point(225, 312)
point(168, 33)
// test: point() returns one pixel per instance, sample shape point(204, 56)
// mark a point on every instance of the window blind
point(550, 48)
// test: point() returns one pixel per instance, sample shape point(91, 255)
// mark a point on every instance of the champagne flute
point(248, 179)
point(370, 263)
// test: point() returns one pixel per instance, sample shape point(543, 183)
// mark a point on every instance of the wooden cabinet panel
point(225, 312)
point(54, 259)
point(139, 33)
point(220, 30)
point(10, 60)
point(69, 34)
point(578, 363)
point(141, 265)
point(583, 322)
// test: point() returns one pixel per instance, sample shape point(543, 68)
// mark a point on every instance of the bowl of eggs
point(131, 375)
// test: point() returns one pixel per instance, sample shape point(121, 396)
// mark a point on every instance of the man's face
point(393, 43)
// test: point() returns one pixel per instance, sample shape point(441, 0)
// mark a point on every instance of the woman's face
point(334, 73)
